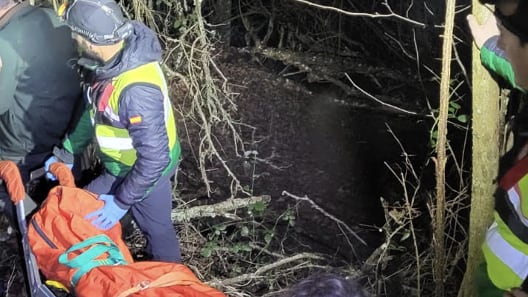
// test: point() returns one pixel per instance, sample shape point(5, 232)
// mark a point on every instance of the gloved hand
point(108, 215)
point(47, 165)
point(482, 32)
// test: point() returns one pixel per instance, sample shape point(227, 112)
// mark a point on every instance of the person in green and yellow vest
point(503, 44)
point(130, 114)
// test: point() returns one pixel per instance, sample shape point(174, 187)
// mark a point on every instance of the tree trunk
point(485, 154)
point(445, 90)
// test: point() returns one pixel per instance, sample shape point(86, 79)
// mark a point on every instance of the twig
point(11, 278)
point(260, 271)
point(409, 204)
point(325, 213)
point(376, 99)
point(360, 14)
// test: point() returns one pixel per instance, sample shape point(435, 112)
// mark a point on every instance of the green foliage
point(454, 109)
point(184, 22)
point(289, 216)
point(235, 240)
point(208, 249)
point(257, 209)
point(406, 234)
point(453, 115)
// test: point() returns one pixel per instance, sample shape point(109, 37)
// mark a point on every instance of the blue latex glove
point(108, 215)
point(47, 165)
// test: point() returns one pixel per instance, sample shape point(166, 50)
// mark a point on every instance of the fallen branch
point(362, 14)
point(260, 271)
point(376, 99)
point(219, 209)
point(330, 69)
point(326, 214)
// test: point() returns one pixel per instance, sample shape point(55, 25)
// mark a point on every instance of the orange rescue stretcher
point(69, 252)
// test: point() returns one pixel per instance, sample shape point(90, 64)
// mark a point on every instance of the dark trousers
point(152, 215)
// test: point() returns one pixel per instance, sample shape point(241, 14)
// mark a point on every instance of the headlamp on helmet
point(99, 21)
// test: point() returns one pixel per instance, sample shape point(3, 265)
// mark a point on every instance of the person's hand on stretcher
point(108, 215)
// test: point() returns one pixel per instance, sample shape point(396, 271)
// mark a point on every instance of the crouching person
point(129, 113)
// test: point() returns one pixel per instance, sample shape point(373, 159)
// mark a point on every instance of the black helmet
point(100, 21)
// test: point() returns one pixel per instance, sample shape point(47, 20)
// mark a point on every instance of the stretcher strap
point(87, 260)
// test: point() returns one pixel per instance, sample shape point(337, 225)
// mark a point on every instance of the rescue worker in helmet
point(130, 114)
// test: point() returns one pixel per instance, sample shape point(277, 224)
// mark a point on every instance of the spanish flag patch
point(135, 119)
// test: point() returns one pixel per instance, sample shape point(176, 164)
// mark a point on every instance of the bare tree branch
point(360, 14)
point(324, 212)
point(261, 270)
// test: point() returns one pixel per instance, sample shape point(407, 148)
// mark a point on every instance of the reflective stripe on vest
point(507, 266)
point(506, 246)
point(115, 143)
point(117, 152)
